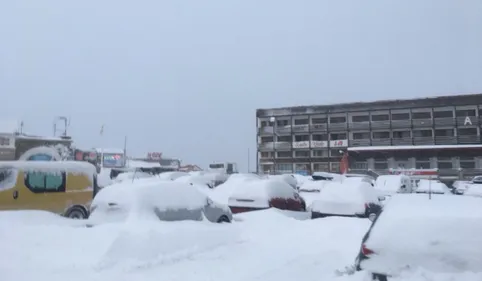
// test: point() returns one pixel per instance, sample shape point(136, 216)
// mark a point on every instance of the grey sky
point(185, 77)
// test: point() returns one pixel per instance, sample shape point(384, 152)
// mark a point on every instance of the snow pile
point(344, 198)
point(432, 186)
point(441, 234)
point(256, 194)
point(36, 218)
point(301, 179)
point(474, 190)
point(142, 244)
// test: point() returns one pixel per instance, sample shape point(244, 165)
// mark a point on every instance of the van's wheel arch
point(77, 212)
point(223, 218)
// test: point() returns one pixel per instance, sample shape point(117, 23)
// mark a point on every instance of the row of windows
point(303, 153)
point(378, 117)
point(418, 165)
point(375, 135)
point(290, 168)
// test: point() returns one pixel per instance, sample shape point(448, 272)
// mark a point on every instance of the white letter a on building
point(467, 121)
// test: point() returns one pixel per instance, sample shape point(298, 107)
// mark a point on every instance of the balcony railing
point(401, 123)
point(444, 122)
point(319, 127)
point(422, 123)
point(271, 146)
point(337, 126)
point(359, 125)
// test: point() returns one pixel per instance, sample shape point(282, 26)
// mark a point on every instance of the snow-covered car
point(413, 232)
point(263, 194)
point(170, 176)
point(289, 179)
point(392, 184)
point(347, 199)
point(131, 176)
point(310, 190)
point(459, 187)
point(432, 186)
point(474, 190)
point(167, 200)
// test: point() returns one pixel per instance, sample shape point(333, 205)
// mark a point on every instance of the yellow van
point(62, 187)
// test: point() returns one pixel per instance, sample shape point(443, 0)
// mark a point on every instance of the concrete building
point(428, 133)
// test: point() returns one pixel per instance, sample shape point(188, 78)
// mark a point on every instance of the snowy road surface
point(264, 245)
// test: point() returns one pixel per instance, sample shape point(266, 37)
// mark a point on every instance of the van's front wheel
point(77, 213)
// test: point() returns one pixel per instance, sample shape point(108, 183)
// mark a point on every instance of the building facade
point(438, 132)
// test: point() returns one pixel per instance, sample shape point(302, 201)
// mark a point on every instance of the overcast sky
point(185, 77)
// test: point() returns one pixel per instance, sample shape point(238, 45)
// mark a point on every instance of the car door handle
point(15, 194)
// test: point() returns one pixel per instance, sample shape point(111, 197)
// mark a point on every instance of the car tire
point(223, 219)
point(76, 212)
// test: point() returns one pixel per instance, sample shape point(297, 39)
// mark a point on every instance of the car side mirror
point(381, 198)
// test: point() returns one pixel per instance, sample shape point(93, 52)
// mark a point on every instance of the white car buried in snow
point(347, 199)
point(432, 186)
point(442, 235)
point(164, 200)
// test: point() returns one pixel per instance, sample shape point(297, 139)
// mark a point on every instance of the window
point(465, 112)
point(380, 117)
point(443, 114)
point(444, 133)
point(319, 137)
point(266, 139)
point(422, 165)
point(335, 167)
point(4, 141)
point(320, 153)
point(301, 121)
point(336, 153)
point(264, 123)
point(302, 137)
point(467, 164)
point(284, 154)
point(40, 182)
point(381, 135)
point(363, 118)
point(319, 120)
point(303, 153)
point(282, 123)
point(284, 168)
point(381, 165)
point(360, 165)
point(341, 136)
point(445, 165)
point(285, 139)
point(320, 167)
point(467, 131)
point(421, 115)
point(266, 155)
point(422, 133)
point(361, 136)
point(400, 116)
point(340, 119)
point(401, 134)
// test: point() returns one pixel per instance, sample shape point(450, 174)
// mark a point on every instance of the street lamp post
point(272, 120)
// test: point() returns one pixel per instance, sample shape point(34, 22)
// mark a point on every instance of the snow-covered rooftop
point(51, 166)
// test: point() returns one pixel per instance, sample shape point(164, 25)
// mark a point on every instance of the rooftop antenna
point(21, 127)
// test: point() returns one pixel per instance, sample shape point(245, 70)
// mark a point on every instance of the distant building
point(429, 133)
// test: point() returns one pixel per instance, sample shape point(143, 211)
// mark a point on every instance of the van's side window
point(40, 182)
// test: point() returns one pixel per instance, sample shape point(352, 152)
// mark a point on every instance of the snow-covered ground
point(263, 245)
